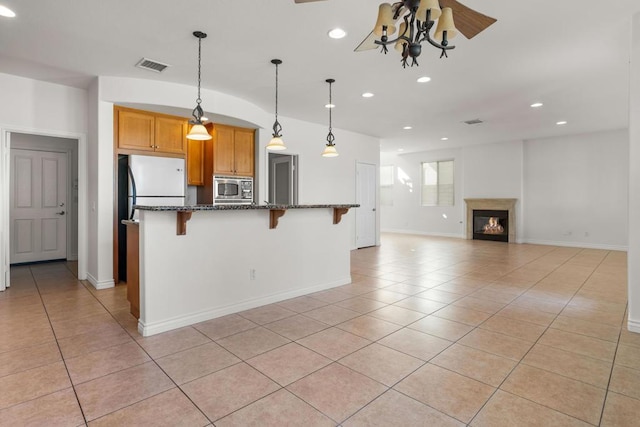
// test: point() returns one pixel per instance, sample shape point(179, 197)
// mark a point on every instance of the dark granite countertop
point(232, 207)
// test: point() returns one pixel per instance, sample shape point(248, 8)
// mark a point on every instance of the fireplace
point(491, 225)
point(500, 214)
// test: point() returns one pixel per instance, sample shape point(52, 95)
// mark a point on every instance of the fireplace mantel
point(492, 204)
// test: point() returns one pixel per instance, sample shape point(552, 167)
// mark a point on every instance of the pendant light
point(276, 143)
point(198, 131)
point(330, 148)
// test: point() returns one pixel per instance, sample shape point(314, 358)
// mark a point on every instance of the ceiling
point(571, 55)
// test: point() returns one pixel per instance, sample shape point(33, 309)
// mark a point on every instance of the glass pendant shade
point(445, 23)
point(401, 42)
point(425, 5)
point(385, 18)
point(330, 151)
point(199, 132)
point(276, 144)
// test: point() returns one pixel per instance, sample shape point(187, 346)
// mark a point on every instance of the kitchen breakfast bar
point(200, 262)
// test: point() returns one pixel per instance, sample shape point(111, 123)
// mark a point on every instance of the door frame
point(67, 153)
point(5, 176)
point(376, 231)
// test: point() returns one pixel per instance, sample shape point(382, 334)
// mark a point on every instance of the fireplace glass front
point(491, 225)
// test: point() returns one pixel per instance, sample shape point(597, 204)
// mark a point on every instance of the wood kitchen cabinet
point(233, 151)
point(195, 162)
point(144, 131)
point(133, 267)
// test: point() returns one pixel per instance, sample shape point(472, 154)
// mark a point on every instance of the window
point(437, 183)
point(386, 185)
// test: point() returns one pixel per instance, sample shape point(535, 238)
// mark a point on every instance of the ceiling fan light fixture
point(446, 29)
point(385, 25)
point(425, 5)
point(198, 131)
point(399, 46)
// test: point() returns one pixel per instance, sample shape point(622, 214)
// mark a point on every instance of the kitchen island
point(205, 261)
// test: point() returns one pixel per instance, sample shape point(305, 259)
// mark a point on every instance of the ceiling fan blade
point(368, 43)
point(469, 22)
point(306, 1)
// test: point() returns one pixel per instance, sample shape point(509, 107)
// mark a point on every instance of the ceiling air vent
point(473, 122)
point(151, 65)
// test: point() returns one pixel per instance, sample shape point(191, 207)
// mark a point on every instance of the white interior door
point(366, 198)
point(38, 206)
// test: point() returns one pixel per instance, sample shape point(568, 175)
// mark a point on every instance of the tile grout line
point(536, 342)
point(84, 417)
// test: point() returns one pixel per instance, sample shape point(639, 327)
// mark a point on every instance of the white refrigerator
point(155, 181)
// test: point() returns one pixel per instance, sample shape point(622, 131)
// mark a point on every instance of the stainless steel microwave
point(232, 190)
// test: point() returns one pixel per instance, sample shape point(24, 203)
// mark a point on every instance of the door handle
point(60, 213)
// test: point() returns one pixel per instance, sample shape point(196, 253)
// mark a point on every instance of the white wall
point(305, 253)
point(567, 188)
point(35, 107)
point(576, 190)
point(493, 170)
point(322, 180)
point(634, 182)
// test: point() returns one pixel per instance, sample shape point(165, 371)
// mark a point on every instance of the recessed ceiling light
point(400, 149)
point(444, 138)
point(367, 95)
point(337, 33)
point(330, 106)
point(6, 12)
point(562, 122)
point(424, 79)
point(536, 105)
point(407, 128)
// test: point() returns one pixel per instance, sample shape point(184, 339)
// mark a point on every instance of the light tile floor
point(432, 332)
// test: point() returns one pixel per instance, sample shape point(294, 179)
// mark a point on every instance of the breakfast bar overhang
point(205, 261)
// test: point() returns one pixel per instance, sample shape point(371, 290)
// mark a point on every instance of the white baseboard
point(104, 284)
point(423, 233)
point(584, 245)
point(633, 326)
point(152, 328)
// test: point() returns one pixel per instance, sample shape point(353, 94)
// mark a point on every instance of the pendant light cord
point(276, 92)
point(199, 100)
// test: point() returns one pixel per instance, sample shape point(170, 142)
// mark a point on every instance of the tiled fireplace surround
point(492, 204)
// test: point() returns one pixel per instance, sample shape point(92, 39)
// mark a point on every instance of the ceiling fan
point(469, 22)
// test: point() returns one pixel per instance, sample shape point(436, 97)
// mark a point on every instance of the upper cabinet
point(233, 150)
point(138, 130)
